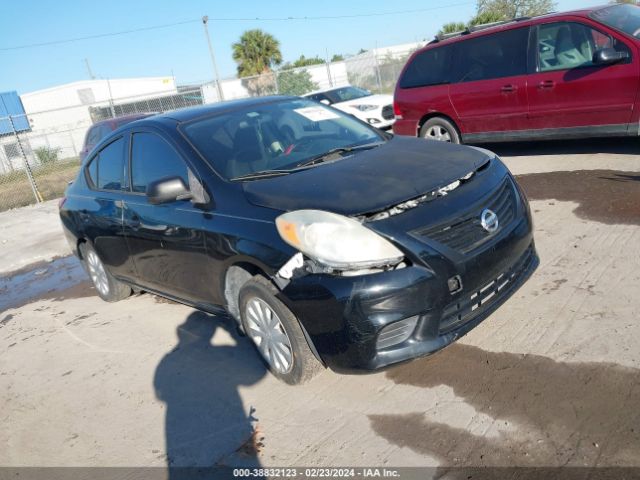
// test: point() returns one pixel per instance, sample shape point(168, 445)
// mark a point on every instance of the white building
point(60, 115)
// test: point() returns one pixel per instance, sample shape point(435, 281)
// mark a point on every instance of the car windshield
point(625, 18)
point(277, 137)
point(348, 93)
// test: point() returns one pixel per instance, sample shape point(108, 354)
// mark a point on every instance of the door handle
point(508, 89)
point(546, 85)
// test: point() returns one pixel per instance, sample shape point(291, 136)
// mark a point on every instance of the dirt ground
point(551, 379)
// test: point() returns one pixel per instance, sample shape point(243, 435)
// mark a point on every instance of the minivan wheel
point(276, 333)
point(441, 130)
point(108, 288)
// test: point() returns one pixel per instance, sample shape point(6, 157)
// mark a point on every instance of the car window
point(430, 67)
point(624, 18)
point(106, 169)
point(93, 136)
point(152, 159)
point(347, 93)
point(566, 45)
point(277, 135)
point(498, 55)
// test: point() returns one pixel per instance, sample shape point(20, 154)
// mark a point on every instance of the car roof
point(510, 24)
point(186, 114)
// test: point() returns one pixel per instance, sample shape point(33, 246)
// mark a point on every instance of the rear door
point(166, 241)
point(489, 85)
point(568, 90)
point(101, 215)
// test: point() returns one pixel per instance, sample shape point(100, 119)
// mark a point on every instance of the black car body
point(429, 199)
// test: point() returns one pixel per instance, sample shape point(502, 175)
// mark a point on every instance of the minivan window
point(430, 67)
point(624, 18)
point(566, 45)
point(499, 55)
point(110, 166)
point(153, 159)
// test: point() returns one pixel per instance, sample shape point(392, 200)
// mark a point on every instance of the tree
point(256, 53)
point(516, 8)
point(487, 17)
point(337, 58)
point(303, 62)
point(296, 82)
point(452, 27)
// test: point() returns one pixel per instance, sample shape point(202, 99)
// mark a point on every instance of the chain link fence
point(40, 151)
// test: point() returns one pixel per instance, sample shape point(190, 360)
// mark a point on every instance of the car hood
point(368, 181)
point(380, 100)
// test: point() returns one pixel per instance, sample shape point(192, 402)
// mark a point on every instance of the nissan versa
point(330, 242)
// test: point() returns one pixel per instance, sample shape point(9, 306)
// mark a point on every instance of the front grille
point(387, 112)
point(467, 234)
point(469, 307)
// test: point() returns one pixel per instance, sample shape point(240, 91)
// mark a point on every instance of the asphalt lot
point(551, 379)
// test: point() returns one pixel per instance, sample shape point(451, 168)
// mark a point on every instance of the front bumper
point(343, 316)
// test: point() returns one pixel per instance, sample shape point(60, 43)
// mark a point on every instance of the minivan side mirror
point(167, 190)
point(608, 56)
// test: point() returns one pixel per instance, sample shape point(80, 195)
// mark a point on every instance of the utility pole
point(113, 111)
point(89, 71)
point(205, 19)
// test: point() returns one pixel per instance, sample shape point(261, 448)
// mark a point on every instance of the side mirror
point(325, 101)
point(608, 56)
point(167, 190)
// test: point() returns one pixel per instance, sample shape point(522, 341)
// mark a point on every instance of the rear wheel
point(108, 288)
point(276, 333)
point(441, 130)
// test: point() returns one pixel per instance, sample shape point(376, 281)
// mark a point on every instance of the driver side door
point(568, 90)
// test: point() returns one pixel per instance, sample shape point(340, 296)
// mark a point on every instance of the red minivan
point(557, 76)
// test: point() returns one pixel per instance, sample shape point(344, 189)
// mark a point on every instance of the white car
point(376, 110)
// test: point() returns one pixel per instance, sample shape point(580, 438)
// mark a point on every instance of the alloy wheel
point(97, 273)
point(266, 330)
point(438, 133)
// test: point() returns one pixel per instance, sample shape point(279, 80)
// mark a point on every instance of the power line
point(231, 19)
point(99, 35)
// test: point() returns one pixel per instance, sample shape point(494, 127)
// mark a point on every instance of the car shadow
point(620, 146)
point(206, 424)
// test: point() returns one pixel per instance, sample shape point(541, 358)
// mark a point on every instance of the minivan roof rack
point(476, 28)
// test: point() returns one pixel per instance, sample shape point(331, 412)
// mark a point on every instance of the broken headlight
point(336, 241)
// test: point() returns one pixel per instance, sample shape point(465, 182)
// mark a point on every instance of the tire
point(440, 129)
point(107, 287)
point(286, 352)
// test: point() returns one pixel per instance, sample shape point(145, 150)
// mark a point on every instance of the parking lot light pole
point(205, 19)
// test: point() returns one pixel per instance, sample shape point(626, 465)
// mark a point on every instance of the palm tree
point(256, 53)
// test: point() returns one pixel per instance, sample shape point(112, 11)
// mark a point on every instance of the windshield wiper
point(327, 155)
point(262, 174)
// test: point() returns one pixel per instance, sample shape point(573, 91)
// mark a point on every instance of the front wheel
point(441, 130)
point(276, 333)
point(108, 288)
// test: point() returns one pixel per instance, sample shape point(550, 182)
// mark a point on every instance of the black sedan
point(331, 243)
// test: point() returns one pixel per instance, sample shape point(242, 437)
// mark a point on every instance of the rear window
point(430, 67)
point(106, 169)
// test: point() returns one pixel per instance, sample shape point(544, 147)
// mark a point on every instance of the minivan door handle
point(546, 84)
point(508, 88)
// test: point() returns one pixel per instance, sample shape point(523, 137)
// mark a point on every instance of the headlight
point(364, 108)
point(336, 241)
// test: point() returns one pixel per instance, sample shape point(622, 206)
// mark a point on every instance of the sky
point(181, 50)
